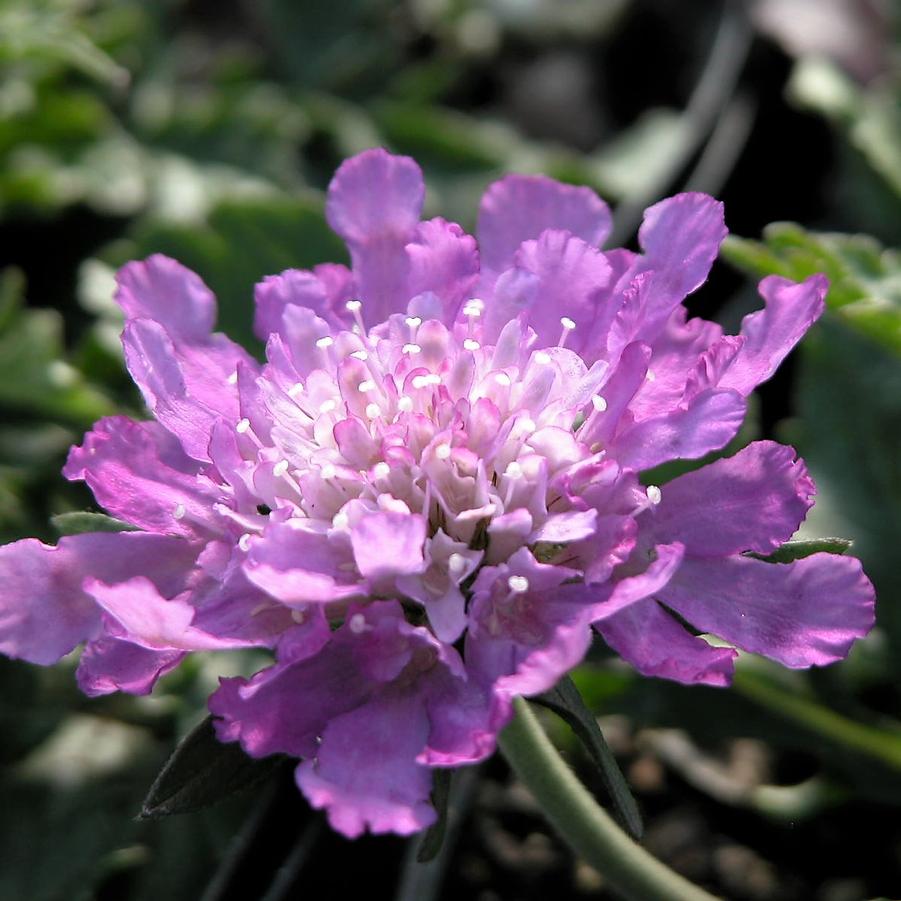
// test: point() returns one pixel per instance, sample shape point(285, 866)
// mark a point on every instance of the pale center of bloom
point(414, 417)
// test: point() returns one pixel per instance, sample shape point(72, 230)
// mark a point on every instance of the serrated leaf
point(564, 700)
point(797, 550)
point(201, 772)
point(434, 836)
point(79, 522)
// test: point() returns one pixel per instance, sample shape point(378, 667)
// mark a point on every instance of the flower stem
point(630, 870)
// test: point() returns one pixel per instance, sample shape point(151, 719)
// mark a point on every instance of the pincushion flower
point(429, 498)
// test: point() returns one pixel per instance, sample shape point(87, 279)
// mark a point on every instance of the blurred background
point(207, 130)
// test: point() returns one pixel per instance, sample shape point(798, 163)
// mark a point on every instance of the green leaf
point(434, 836)
point(864, 277)
point(797, 550)
point(79, 522)
point(870, 118)
point(202, 771)
point(564, 700)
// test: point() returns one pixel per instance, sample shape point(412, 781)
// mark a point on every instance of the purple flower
point(430, 492)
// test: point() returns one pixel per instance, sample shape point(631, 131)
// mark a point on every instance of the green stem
point(876, 743)
point(587, 828)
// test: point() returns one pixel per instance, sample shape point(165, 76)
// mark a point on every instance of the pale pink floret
point(429, 493)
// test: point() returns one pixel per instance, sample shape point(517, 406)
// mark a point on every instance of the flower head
point(431, 492)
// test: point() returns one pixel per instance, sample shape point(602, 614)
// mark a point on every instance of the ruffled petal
point(161, 289)
point(707, 422)
point(804, 613)
point(769, 334)
point(111, 664)
point(45, 613)
point(146, 618)
point(188, 387)
point(525, 630)
point(299, 565)
point(753, 501)
point(139, 473)
point(365, 773)
point(520, 207)
point(650, 639)
point(570, 274)
point(374, 202)
point(443, 261)
point(681, 237)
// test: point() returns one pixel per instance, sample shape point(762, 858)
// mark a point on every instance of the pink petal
point(388, 544)
point(365, 773)
point(444, 261)
point(111, 664)
point(706, 423)
point(298, 565)
point(753, 501)
point(139, 473)
point(374, 202)
point(649, 638)
point(681, 238)
point(571, 274)
point(188, 387)
point(791, 309)
point(44, 613)
point(148, 619)
point(804, 613)
point(520, 207)
point(161, 289)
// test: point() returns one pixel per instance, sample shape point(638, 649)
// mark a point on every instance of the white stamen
point(360, 355)
point(443, 451)
point(325, 342)
point(527, 425)
point(473, 308)
point(357, 624)
point(471, 344)
point(518, 584)
point(353, 306)
point(340, 520)
point(367, 385)
point(411, 349)
point(456, 563)
point(327, 406)
point(179, 511)
point(328, 471)
point(542, 358)
point(568, 326)
point(654, 494)
point(513, 471)
point(405, 404)
point(244, 542)
point(650, 376)
point(413, 321)
point(295, 389)
point(298, 616)
point(373, 411)
point(280, 468)
point(381, 470)
point(503, 379)
point(420, 382)
point(598, 402)
point(233, 378)
point(243, 426)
